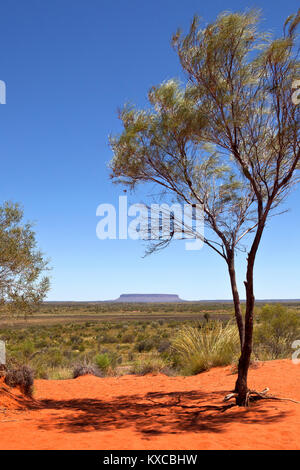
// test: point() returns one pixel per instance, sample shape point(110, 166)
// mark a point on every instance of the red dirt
point(133, 412)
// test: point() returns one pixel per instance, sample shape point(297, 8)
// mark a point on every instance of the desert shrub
point(163, 346)
point(75, 340)
point(103, 361)
point(107, 339)
point(22, 377)
point(196, 350)
point(86, 369)
point(151, 364)
point(128, 338)
point(144, 345)
point(277, 327)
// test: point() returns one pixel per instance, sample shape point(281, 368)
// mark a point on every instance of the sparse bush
point(152, 364)
point(144, 345)
point(22, 377)
point(128, 338)
point(108, 339)
point(86, 369)
point(276, 329)
point(76, 340)
point(197, 350)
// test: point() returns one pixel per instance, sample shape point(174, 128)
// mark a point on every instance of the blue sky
point(68, 65)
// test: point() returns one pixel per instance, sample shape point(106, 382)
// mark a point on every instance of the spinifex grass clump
point(200, 348)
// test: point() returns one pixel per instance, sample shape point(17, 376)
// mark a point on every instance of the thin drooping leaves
point(228, 139)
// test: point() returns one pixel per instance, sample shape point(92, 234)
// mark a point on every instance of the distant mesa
point(149, 298)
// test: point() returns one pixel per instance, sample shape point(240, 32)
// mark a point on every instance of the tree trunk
point(236, 298)
point(244, 361)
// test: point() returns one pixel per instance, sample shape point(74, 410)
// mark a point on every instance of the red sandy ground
point(132, 412)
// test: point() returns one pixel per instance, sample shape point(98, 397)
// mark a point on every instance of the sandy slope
point(133, 412)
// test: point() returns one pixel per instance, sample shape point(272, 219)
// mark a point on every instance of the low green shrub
point(276, 329)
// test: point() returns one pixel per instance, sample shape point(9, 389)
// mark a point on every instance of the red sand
point(133, 412)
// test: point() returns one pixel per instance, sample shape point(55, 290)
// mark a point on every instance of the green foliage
point(21, 265)
point(275, 331)
point(214, 140)
point(197, 349)
point(103, 361)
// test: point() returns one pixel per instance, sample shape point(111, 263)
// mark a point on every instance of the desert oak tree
point(22, 286)
point(227, 139)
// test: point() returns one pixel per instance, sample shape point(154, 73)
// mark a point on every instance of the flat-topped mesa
point(149, 298)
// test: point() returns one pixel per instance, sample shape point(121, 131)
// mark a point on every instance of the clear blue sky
point(68, 65)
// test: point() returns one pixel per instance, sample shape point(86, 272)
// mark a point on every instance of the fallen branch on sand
point(253, 395)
